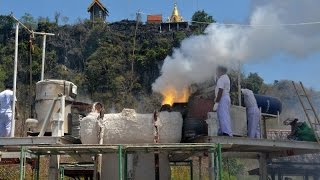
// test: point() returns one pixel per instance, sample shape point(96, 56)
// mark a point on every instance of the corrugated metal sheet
point(156, 18)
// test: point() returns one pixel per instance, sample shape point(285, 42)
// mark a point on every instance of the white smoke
point(197, 58)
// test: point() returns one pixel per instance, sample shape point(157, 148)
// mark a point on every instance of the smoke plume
point(198, 56)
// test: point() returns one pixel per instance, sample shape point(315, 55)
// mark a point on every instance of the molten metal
point(171, 95)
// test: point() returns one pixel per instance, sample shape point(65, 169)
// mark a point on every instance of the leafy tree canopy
point(202, 16)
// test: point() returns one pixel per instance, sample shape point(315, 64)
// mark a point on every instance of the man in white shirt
point(253, 113)
point(223, 102)
point(6, 101)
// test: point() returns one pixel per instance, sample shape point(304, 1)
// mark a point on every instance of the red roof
point(155, 17)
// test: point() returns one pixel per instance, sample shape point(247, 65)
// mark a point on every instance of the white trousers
point(253, 117)
point(223, 113)
point(5, 124)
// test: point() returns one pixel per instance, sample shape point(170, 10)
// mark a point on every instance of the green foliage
point(202, 16)
point(180, 173)
point(227, 176)
point(28, 20)
point(232, 168)
point(97, 57)
point(6, 29)
point(253, 82)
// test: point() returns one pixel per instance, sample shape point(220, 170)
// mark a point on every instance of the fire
point(171, 95)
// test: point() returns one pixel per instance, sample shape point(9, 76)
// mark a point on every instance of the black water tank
point(268, 104)
point(182, 108)
point(193, 127)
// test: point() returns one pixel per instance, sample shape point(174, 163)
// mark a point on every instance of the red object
point(8, 161)
point(156, 18)
point(199, 108)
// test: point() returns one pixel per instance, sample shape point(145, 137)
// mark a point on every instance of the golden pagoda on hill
point(175, 17)
point(175, 22)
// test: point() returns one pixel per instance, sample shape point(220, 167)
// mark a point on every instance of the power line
point(262, 25)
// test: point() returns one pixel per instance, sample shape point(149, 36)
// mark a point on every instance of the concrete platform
point(274, 148)
point(29, 141)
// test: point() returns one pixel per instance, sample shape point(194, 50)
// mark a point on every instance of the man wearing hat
point(6, 101)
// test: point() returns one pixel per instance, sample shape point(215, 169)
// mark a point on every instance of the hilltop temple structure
point(175, 22)
point(97, 11)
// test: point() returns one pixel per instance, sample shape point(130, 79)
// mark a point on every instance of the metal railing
point(278, 134)
point(122, 150)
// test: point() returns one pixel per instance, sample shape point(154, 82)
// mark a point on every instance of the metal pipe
point(219, 161)
point(37, 168)
point(13, 125)
point(61, 173)
point(31, 31)
point(125, 165)
point(211, 163)
point(200, 168)
point(62, 112)
point(191, 170)
point(215, 165)
point(120, 170)
point(43, 56)
point(22, 163)
point(43, 33)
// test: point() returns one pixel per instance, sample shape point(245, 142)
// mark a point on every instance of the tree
point(202, 16)
point(57, 16)
point(6, 29)
point(253, 82)
point(232, 168)
point(29, 21)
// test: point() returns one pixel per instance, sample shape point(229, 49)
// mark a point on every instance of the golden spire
point(175, 17)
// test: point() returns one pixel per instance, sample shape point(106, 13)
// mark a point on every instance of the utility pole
point(138, 19)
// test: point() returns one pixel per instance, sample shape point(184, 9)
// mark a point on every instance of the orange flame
point(171, 95)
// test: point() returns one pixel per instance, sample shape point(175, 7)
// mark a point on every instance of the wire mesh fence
point(12, 172)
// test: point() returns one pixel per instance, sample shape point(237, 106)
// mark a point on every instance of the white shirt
point(223, 83)
point(6, 100)
point(249, 99)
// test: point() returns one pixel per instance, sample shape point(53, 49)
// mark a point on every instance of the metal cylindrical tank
point(46, 92)
point(129, 127)
point(193, 127)
point(268, 104)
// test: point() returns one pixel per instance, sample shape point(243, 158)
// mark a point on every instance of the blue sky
point(235, 11)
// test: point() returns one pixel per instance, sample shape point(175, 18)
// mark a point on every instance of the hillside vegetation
point(99, 59)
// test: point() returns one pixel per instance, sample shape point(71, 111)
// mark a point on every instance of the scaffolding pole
point(120, 159)
point(43, 56)
point(54, 151)
point(37, 170)
point(220, 161)
point(22, 163)
point(13, 125)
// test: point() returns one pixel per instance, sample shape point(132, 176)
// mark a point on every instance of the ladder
point(308, 108)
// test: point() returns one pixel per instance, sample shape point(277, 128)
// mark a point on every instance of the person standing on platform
point(222, 102)
point(6, 102)
point(253, 113)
